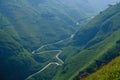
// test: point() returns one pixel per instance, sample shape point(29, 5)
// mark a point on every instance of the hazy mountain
point(26, 25)
point(40, 20)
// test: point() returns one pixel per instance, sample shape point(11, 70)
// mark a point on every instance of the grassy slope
point(110, 71)
point(94, 40)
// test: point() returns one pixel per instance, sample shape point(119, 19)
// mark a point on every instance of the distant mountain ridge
point(100, 5)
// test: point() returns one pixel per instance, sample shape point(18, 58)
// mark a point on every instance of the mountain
point(37, 22)
point(26, 25)
point(108, 72)
point(94, 44)
point(14, 59)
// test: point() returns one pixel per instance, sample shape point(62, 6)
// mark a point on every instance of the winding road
point(51, 63)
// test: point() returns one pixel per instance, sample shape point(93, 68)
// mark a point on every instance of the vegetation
point(35, 21)
point(50, 72)
point(46, 57)
point(26, 25)
point(110, 71)
point(93, 45)
point(15, 60)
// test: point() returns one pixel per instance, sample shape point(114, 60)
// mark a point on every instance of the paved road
point(42, 69)
point(51, 63)
point(57, 56)
point(47, 51)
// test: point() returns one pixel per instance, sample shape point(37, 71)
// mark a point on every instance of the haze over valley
point(59, 39)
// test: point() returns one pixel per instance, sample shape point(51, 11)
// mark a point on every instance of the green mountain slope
point(26, 25)
point(93, 45)
point(110, 71)
point(37, 22)
point(15, 62)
